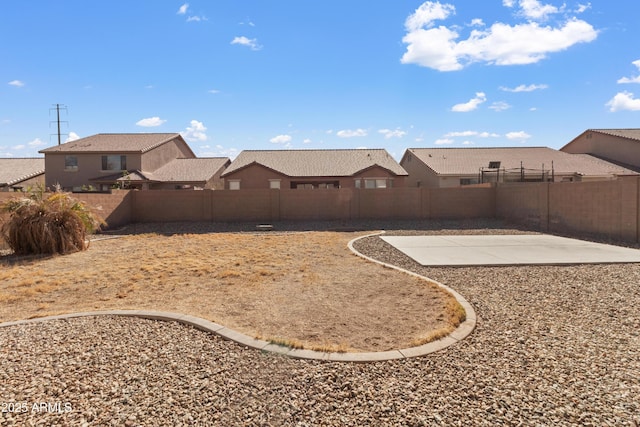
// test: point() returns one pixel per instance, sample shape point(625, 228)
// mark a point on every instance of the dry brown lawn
point(303, 289)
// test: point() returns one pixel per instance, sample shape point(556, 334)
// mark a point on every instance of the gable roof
point(190, 170)
point(623, 133)
point(115, 143)
point(15, 170)
point(317, 163)
point(198, 170)
point(469, 161)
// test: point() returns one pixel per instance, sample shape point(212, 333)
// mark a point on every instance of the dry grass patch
point(298, 289)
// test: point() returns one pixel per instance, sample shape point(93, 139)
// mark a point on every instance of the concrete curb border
point(205, 325)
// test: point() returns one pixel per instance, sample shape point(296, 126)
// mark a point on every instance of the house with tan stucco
point(19, 174)
point(130, 160)
point(620, 146)
point(455, 167)
point(314, 169)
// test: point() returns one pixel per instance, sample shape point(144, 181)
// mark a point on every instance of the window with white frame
point(375, 183)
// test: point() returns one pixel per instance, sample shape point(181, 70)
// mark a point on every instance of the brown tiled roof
point(178, 170)
point(468, 161)
point(624, 133)
point(15, 170)
point(114, 143)
point(325, 163)
point(190, 170)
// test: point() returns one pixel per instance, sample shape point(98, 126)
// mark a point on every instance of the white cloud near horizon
point(245, 41)
point(635, 79)
point(16, 83)
point(195, 132)
point(35, 143)
point(150, 122)
point(623, 101)
point(183, 9)
point(524, 88)
point(443, 141)
point(388, 133)
point(471, 105)
point(348, 133)
point(440, 48)
point(518, 136)
point(72, 137)
point(281, 139)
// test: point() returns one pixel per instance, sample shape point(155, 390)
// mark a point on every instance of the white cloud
point(280, 139)
point(213, 91)
point(348, 133)
point(465, 133)
point(444, 141)
point(507, 3)
point(623, 101)
point(518, 136)
point(499, 106)
point(468, 143)
point(195, 132)
point(244, 41)
point(501, 44)
point(524, 88)
point(388, 133)
point(583, 8)
point(488, 135)
point(183, 9)
point(16, 83)
point(306, 141)
point(533, 9)
point(635, 79)
point(196, 18)
point(427, 13)
point(19, 147)
point(72, 137)
point(35, 143)
point(471, 105)
point(150, 122)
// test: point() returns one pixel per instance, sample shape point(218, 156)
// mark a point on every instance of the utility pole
point(58, 107)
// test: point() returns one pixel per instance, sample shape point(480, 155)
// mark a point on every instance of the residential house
point(130, 160)
point(454, 167)
point(620, 146)
point(17, 174)
point(314, 169)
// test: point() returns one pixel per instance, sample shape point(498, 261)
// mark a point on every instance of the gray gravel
point(553, 346)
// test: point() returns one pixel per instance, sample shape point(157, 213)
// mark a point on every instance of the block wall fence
point(604, 208)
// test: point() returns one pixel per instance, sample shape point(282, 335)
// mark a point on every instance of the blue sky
point(234, 75)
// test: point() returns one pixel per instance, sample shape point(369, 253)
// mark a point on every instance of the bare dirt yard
point(304, 289)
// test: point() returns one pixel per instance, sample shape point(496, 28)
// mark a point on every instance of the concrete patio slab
point(497, 250)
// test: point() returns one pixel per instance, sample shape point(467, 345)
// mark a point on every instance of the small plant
point(47, 223)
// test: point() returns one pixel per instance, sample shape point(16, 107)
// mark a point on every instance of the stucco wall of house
point(89, 166)
point(257, 176)
point(606, 146)
point(163, 154)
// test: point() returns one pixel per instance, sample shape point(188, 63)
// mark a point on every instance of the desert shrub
point(47, 223)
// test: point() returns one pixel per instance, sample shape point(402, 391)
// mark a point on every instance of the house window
point(358, 183)
point(234, 184)
point(114, 163)
point(274, 184)
point(375, 183)
point(70, 163)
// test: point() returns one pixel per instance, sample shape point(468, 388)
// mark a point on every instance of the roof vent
point(494, 165)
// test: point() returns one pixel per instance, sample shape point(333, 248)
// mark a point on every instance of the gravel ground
point(553, 346)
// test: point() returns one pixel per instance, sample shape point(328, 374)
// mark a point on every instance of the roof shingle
point(114, 143)
point(317, 163)
point(469, 161)
point(14, 170)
